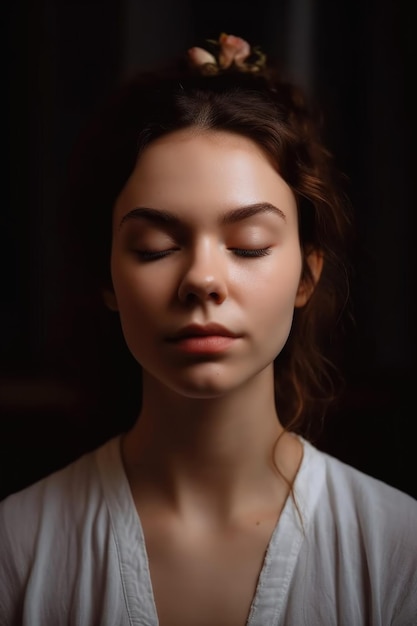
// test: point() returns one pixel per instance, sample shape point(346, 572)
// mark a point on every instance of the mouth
point(209, 339)
point(208, 330)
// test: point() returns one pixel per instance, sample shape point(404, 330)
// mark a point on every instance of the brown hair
point(276, 115)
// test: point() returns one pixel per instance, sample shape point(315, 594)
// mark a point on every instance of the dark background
point(62, 59)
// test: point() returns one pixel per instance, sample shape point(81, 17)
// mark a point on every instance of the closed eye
point(250, 253)
point(153, 255)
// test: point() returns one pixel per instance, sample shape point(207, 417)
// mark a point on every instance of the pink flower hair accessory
point(229, 52)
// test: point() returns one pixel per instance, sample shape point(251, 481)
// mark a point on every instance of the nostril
point(193, 296)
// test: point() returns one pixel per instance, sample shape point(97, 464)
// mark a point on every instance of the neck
point(217, 448)
point(236, 426)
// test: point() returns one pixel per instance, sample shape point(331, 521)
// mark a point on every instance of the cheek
point(138, 302)
point(142, 298)
point(137, 290)
point(139, 310)
point(274, 283)
point(273, 306)
point(271, 300)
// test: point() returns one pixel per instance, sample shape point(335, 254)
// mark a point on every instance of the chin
point(210, 382)
point(201, 389)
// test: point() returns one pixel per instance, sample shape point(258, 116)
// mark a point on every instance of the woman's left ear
point(306, 287)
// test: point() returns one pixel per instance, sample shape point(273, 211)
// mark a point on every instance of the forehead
point(199, 173)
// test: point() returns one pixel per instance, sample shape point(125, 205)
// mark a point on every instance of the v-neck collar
point(280, 558)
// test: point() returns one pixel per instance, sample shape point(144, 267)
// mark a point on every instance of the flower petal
point(199, 56)
point(232, 49)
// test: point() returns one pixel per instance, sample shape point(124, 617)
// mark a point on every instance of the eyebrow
point(245, 212)
point(160, 216)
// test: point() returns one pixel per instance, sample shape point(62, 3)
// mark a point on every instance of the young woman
point(219, 229)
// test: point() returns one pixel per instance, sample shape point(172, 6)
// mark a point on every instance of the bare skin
point(209, 497)
point(208, 461)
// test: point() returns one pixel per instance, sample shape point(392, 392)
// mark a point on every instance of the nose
point(204, 278)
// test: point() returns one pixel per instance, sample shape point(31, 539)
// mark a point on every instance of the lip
point(203, 339)
point(207, 330)
point(204, 344)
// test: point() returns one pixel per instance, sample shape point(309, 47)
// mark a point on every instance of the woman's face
point(206, 262)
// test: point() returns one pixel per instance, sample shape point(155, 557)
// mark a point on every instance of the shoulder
point(55, 487)
point(52, 501)
point(362, 505)
point(56, 539)
point(366, 529)
point(369, 512)
point(372, 494)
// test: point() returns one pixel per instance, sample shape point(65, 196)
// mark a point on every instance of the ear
point(109, 298)
point(314, 260)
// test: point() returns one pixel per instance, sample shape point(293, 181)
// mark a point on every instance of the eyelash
point(251, 253)
point(248, 253)
point(148, 255)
